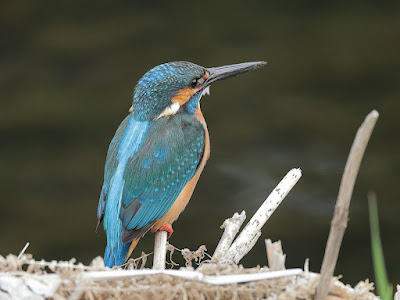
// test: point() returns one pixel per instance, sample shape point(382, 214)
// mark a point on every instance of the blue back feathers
point(146, 169)
point(126, 143)
point(168, 159)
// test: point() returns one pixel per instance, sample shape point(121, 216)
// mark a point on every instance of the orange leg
point(167, 228)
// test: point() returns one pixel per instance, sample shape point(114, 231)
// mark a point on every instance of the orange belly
point(186, 193)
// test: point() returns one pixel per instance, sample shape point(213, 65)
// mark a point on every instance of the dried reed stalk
point(340, 217)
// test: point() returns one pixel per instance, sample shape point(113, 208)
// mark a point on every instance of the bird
point(157, 154)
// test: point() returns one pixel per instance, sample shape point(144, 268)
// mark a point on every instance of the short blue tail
point(115, 257)
point(127, 141)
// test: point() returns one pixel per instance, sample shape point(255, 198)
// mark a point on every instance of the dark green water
point(67, 73)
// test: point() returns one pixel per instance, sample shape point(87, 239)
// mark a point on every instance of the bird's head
point(171, 87)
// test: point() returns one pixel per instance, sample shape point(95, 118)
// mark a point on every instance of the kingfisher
point(157, 154)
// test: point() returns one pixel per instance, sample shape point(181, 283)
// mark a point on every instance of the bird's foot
point(167, 228)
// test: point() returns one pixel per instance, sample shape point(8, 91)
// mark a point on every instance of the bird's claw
point(167, 228)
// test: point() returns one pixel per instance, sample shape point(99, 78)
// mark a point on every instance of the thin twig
point(160, 250)
point(340, 217)
point(252, 231)
point(23, 250)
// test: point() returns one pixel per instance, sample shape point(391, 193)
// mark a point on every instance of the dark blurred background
point(67, 72)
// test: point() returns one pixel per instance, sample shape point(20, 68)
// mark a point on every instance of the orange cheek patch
point(183, 96)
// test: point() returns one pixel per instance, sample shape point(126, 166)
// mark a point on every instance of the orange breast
point(186, 193)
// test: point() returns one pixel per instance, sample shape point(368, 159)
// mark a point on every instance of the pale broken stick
point(231, 227)
point(276, 258)
point(252, 231)
point(340, 217)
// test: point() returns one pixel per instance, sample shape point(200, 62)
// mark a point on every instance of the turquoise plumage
point(167, 160)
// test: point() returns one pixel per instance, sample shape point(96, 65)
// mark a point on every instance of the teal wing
point(154, 177)
point(109, 169)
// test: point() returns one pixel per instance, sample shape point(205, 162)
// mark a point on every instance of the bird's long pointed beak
point(219, 73)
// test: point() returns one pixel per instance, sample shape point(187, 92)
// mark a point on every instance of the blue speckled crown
point(157, 87)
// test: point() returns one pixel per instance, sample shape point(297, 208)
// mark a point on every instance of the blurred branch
point(340, 217)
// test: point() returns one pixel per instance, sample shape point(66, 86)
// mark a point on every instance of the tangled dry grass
point(26, 277)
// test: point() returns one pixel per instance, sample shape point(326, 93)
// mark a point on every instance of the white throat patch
point(174, 107)
point(170, 110)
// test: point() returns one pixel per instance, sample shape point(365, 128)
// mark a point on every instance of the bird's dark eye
point(197, 82)
point(193, 84)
